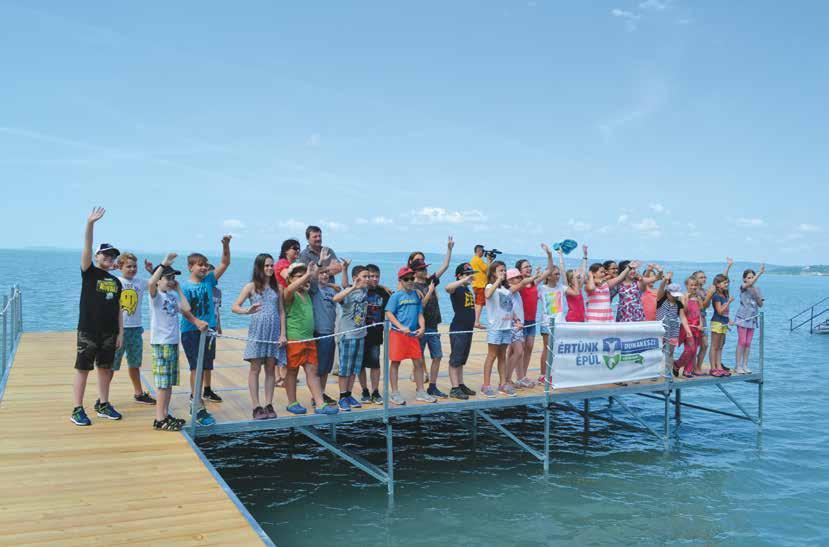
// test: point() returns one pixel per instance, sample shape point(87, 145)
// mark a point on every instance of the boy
point(198, 290)
point(405, 312)
point(460, 337)
point(425, 286)
point(217, 302)
point(100, 324)
point(479, 283)
point(299, 329)
point(376, 300)
point(166, 301)
point(325, 313)
point(352, 300)
point(132, 302)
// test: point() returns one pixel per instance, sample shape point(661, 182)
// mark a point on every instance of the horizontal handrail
point(808, 309)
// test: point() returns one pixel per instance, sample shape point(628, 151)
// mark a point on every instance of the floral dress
point(630, 303)
point(265, 326)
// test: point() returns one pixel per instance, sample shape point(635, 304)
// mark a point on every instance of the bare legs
point(270, 380)
point(529, 342)
point(515, 361)
point(545, 340)
point(494, 351)
point(419, 369)
point(311, 378)
point(135, 378)
point(162, 406)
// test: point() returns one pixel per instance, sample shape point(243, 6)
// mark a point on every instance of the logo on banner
point(615, 351)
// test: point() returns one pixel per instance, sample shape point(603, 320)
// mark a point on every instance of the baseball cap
point(404, 271)
point(674, 290)
point(107, 248)
point(464, 269)
point(418, 264)
point(167, 271)
point(513, 272)
point(296, 266)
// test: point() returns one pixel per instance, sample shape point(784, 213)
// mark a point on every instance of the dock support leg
point(389, 460)
point(678, 406)
point(546, 439)
point(333, 428)
point(197, 403)
point(760, 403)
point(667, 422)
point(587, 415)
point(474, 428)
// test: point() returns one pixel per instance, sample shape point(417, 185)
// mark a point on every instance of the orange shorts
point(403, 346)
point(480, 296)
point(302, 353)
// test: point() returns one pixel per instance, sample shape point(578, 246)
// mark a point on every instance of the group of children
point(300, 318)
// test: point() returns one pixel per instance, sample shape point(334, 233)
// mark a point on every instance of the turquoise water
point(722, 481)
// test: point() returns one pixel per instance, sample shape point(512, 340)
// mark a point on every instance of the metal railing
point(11, 315)
point(812, 316)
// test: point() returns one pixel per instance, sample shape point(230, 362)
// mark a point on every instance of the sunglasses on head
point(295, 248)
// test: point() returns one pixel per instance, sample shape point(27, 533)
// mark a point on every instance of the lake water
point(722, 481)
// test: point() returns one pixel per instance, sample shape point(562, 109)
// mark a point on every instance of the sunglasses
point(294, 248)
point(407, 279)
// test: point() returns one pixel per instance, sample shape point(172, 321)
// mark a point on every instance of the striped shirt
point(598, 305)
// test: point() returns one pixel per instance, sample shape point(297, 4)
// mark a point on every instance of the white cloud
point(579, 225)
point(606, 229)
point(809, 228)
point(646, 225)
point(631, 19)
point(748, 222)
point(623, 218)
point(650, 97)
point(382, 220)
point(233, 224)
point(360, 220)
point(657, 5)
point(334, 226)
point(657, 207)
point(293, 225)
point(439, 215)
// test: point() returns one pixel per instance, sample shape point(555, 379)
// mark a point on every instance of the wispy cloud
point(649, 97)
point(233, 224)
point(579, 225)
point(293, 225)
point(657, 5)
point(623, 218)
point(748, 222)
point(630, 18)
point(333, 225)
point(647, 226)
point(439, 215)
point(381, 220)
point(658, 208)
point(811, 228)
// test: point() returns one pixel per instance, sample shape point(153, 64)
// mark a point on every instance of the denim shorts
point(529, 328)
point(499, 337)
point(371, 356)
point(325, 354)
point(133, 347)
point(190, 342)
point(431, 338)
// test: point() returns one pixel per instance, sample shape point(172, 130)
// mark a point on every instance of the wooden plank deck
point(111, 483)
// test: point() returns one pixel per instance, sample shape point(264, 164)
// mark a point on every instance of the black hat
point(167, 271)
point(107, 248)
point(418, 264)
point(464, 269)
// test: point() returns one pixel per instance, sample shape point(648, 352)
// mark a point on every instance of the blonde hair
point(122, 259)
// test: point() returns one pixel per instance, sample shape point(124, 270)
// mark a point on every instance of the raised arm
point(584, 260)
point(728, 263)
point(761, 271)
point(549, 254)
point(590, 282)
point(660, 294)
point(340, 296)
point(311, 270)
point(490, 290)
point(650, 276)
point(455, 285)
point(86, 253)
point(225, 262)
point(345, 264)
point(621, 277)
point(449, 246)
point(152, 283)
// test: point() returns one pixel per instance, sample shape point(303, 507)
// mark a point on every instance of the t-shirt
point(164, 321)
point(406, 307)
point(552, 302)
point(480, 267)
point(353, 316)
point(280, 265)
point(100, 301)
point(132, 300)
point(325, 310)
point(431, 310)
point(309, 255)
point(501, 309)
point(529, 299)
point(299, 315)
point(200, 297)
point(720, 318)
point(463, 304)
point(376, 301)
point(217, 304)
point(649, 304)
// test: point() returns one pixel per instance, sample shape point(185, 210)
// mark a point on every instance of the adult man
point(479, 282)
point(315, 253)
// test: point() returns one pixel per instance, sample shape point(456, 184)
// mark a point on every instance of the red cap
point(404, 271)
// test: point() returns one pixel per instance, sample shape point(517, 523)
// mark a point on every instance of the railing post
point(762, 357)
point(5, 346)
point(196, 403)
point(20, 307)
point(386, 395)
point(547, 381)
point(13, 312)
point(812, 321)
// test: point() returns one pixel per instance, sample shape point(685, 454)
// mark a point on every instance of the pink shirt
point(649, 304)
point(280, 265)
point(598, 305)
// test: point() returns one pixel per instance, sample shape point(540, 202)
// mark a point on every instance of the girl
point(705, 301)
point(529, 303)
point(689, 338)
point(288, 254)
point(266, 341)
point(671, 311)
point(551, 295)
point(719, 323)
point(650, 295)
point(598, 289)
point(751, 300)
point(630, 290)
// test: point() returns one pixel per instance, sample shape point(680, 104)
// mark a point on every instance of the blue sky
point(652, 128)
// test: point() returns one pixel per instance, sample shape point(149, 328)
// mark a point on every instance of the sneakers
point(144, 399)
point(354, 403)
point(507, 390)
point(97, 404)
point(488, 391)
point(467, 390)
point(271, 412)
point(79, 417)
point(260, 413)
point(173, 418)
point(203, 417)
point(327, 409)
point(296, 408)
point(541, 380)
point(526, 382)
point(396, 398)
point(365, 398)
point(425, 397)
point(211, 396)
point(167, 424)
point(106, 410)
point(376, 398)
point(328, 400)
point(435, 392)
point(458, 393)
point(344, 404)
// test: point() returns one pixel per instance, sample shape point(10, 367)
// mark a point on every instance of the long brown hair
point(490, 271)
point(260, 280)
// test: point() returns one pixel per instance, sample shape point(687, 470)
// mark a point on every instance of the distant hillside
point(817, 269)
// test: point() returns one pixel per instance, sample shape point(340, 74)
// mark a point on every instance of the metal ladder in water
point(810, 319)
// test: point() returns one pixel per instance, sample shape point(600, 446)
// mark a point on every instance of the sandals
point(688, 374)
point(168, 424)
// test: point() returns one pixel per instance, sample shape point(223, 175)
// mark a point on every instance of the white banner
point(586, 354)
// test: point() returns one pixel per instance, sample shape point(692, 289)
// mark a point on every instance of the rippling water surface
point(722, 481)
